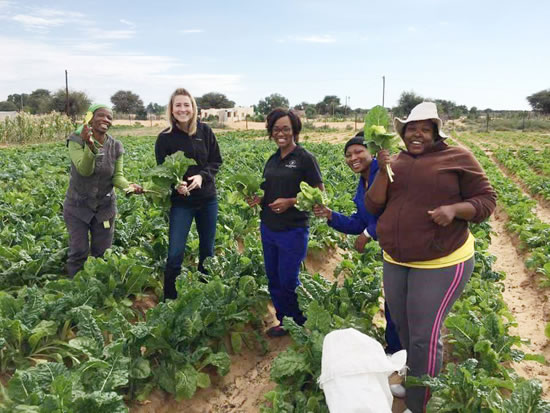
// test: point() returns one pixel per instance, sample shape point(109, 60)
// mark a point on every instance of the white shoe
point(398, 390)
point(407, 411)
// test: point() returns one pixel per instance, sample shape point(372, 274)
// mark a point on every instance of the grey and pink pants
point(419, 300)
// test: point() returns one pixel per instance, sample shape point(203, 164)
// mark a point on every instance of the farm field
point(103, 342)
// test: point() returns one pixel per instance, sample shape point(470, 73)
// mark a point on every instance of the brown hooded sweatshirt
point(446, 175)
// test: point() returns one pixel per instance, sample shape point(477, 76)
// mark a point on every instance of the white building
point(236, 114)
point(4, 115)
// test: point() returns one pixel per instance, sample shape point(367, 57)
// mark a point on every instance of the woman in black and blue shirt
point(361, 222)
point(285, 229)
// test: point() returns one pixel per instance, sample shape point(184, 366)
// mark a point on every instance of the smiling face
point(182, 109)
point(282, 133)
point(358, 158)
point(419, 136)
point(102, 120)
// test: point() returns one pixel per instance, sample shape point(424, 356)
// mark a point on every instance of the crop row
point(85, 341)
point(538, 160)
point(477, 379)
point(86, 344)
point(534, 234)
point(26, 128)
point(536, 183)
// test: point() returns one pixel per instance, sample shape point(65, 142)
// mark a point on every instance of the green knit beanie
point(90, 115)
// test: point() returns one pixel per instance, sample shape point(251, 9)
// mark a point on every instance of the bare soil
point(526, 300)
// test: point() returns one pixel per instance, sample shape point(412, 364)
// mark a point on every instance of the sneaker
point(277, 331)
point(398, 390)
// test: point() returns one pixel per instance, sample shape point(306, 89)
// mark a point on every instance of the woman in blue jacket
point(361, 222)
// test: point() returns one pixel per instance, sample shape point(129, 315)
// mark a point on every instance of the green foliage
point(406, 102)
point(25, 128)
point(86, 344)
point(271, 102)
point(78, 102)
point(214, 100)
point(8, 106)
point(540, 101)
point(247, 184)
point(166, 176)
point(377, 122)
point(308, 197)
point(125, 101)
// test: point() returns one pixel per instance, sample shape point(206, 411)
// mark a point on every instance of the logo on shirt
point(291, 164)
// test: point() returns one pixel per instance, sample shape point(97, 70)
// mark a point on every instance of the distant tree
point(328, 105)
point(407, 101)
point(214, 100)
point(473, 113)
point(127, 102)
point(540, 101)
point(18, 100)
point(310, 111)
point(39, 101)
point(155, 108)
point(271, 102)
point(308, 108)
point(6, 106)
point(78, 102)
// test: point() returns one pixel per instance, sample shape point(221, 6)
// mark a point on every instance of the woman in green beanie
point(90, 201)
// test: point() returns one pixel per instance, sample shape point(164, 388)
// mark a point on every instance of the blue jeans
point(284, 252)
point(181, 218)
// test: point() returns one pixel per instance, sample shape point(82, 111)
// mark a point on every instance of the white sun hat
point(422, 111)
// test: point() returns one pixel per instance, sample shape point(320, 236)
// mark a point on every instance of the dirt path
point(528, 303)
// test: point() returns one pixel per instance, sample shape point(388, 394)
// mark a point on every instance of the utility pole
point(66, 93)
point(383, 89)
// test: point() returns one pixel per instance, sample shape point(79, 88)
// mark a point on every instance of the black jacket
point(203, 148)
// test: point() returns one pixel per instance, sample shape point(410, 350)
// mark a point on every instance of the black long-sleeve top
point(203, 148)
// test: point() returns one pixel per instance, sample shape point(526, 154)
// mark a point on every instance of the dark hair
point(356, 140)
point(279, 113)
point(361, 133)
point(436, 130)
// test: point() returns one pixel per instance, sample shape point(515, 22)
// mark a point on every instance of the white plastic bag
point(355, 371)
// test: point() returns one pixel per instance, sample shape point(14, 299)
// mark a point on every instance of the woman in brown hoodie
point(423, 231)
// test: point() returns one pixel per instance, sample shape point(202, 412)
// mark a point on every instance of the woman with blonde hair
point(195, 198)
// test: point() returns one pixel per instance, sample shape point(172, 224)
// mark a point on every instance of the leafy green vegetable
point(247, 183)
point(166, 176)
point(309, 196)
point(376, 135)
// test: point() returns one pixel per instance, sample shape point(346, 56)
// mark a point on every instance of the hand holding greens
point(309, 197)
point(376, 134)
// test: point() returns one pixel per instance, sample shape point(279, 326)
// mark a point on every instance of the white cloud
point(412, 29)
point(42, 19)
point(100, 72)
point(127, 23)
point(35, 22)
point(98, 34)
point(317, 38)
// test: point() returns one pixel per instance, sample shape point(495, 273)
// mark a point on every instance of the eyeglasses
point(284, 130)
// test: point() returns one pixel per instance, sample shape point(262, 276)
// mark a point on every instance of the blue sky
point(488, 54)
